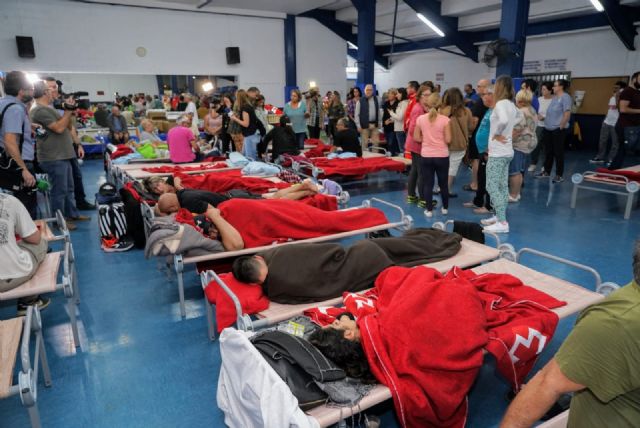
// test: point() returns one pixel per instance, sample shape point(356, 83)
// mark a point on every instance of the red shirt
point(407, 113)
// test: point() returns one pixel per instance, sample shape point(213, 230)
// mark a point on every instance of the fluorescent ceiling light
point(431, 25)
point(32, 78)
point(597, 5)
point(352, 69)
point(208, 86)
point(352, 46)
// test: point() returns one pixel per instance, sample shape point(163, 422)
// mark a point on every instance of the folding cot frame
point(471, 254)
point(578, 298)
point(16, 340)
point(405, 222)
point(45, 279)
point(606, 183)
point(122, 174)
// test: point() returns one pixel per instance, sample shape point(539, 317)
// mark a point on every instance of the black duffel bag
point(299, 364)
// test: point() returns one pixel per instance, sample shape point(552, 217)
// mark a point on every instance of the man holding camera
point(78, 185)
point(16, 145)
point(55, 150)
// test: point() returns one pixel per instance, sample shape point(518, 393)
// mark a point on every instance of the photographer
point(16, 144)
point(78, 185)
point(315, 112)
point(55, 150)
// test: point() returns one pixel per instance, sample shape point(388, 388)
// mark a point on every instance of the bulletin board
point(598, 90)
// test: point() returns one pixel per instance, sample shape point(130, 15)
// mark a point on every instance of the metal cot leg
point(211, 326)
point(627, 210)
point(71, 307)
point(179, 266)
point(574, 195)
point(34, 416)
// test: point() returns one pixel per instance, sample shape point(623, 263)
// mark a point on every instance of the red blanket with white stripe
point(263, 222)
point(423, 334)
point(631, 175)
point(355, 167)
point(166, 169)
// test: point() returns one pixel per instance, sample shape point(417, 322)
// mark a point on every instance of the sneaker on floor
point(23, 304)
point(428, 213)
point(114, 245)
point(596, 160)
point(532, 168)
point(498, 227)
point(445, 211)
point(481, 210)
point(422, 203)
point(489, 221)
point(558, 179)
point(412, 199)
point(541, 174)
point(514, 199)
point(71, 225)
point(85, 206)
point(469, 204)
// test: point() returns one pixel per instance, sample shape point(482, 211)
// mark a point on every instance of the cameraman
point(15, 139)
point(55, 151)
point(78, 185)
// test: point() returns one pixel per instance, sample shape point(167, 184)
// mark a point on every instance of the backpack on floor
point(111, 217)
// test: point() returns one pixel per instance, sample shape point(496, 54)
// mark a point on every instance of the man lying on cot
point(326, 270)
point(196, 200)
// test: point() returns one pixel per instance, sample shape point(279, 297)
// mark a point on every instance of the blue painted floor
point(140, 365)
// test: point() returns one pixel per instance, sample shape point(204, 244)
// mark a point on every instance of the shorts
point(519, 163)
point(455, 159)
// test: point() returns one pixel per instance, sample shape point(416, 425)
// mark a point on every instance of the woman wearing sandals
point(504, 117)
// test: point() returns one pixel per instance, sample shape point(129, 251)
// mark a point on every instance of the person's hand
point(500, 138)
point(307, 115)
point(80, 151)
point(359, 129)
point(28, 178)
point(212, 211)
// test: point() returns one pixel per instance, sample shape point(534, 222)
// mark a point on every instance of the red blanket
point(177, 168)
point(250, 295)
point(357, 166)
point(121, 150)
point(448, 320)
point(318, 151)
point(631, 175)
point(263, 222)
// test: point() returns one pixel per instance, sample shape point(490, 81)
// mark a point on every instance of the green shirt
point(52, 146)
point(603, 354)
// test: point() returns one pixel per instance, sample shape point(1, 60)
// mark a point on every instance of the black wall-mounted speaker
point(25, 47)
point(233, 55)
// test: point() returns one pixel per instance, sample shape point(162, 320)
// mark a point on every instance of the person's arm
point(566, 115)
point(229, 236)
point(60, 125)
point(501, 118)
point(417, 133)
point(398, 115)
point(34, 238)
point(13, 149)
point(356, 116)
point(537, 397)
point(245, 119)
point(447, 133)
point(471, 123)
point(267, 138)
point(624, 107)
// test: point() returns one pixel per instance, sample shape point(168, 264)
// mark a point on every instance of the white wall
point(320, 57)
point(593, 53)
point(108, 83)
point(90, 38)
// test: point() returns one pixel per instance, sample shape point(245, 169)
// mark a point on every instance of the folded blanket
point(263, 222)
point(260, 169)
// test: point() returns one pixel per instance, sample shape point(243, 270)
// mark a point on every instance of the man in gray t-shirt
point(55, 149)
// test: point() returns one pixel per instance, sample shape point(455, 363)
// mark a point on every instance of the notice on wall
point(439, 77)
point(555, 64)
point(532, 66)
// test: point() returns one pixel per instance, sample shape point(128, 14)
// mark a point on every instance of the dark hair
point(564, 83)
point(634, 75)
point(353, 91)
point(531, 84)
point(621, 84)
point(14, 81)
point(548, 85)
point(345, 353)
point(253, 89)
point(246, 269)
point(430, 84)
point(414, 84)
point(453, 98)
point(636, 262)
point(403, 94)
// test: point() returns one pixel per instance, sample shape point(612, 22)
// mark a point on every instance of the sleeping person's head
point(168, 203)
point(158, 185)
point(340, 342)
point(250, 269)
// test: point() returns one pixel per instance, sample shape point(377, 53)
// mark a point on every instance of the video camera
point(60, 103)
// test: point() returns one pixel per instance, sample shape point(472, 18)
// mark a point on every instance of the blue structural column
point(366, 40)
point(291, 78)
point(160, 82)
point(513, 27)
point(174, 84)
point(191, 84)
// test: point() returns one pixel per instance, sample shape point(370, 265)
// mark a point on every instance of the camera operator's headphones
point(39, 89)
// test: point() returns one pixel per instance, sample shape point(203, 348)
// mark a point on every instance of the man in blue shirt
point(470, 95)
point(15, 135)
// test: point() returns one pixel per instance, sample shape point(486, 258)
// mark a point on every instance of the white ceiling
point(473, 15)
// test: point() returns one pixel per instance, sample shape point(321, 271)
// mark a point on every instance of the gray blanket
point(167, 237)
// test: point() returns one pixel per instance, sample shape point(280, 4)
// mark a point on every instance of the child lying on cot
point(326, 270)
point(422, 335)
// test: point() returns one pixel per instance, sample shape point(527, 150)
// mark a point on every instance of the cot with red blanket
point(352, 167)
point(618, 182)
point(240, 361)
point(471, 254)
point(404, 222)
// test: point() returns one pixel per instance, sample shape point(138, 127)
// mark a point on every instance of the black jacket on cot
point(348, 140)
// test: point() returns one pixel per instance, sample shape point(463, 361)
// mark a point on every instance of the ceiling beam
point(620, 21)
point(449, 25)
point(341, 29)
